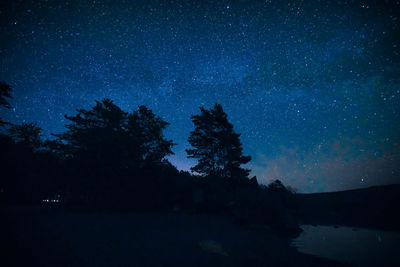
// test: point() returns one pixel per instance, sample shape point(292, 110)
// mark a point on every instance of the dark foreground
point(51, 236)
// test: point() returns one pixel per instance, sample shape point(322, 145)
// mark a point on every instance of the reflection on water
point(363, 247)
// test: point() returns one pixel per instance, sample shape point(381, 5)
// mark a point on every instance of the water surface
point(362, 247)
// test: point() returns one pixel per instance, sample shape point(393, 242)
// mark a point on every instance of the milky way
point(313, 87)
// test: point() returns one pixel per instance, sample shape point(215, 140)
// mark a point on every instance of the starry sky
point(312, 86)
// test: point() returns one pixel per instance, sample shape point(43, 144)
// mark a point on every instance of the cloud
point(330, 167)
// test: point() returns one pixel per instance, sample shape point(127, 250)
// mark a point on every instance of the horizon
point(312, 88)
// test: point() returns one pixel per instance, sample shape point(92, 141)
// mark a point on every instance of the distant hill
point(373, 207)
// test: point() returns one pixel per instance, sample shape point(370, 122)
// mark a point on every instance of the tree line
point(108, 157)
point(107, 141)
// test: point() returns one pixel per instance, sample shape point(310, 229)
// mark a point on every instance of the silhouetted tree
point(276, 185)
point(291, 189)
point(27, 134)
point(5, 92)
point(147, 131)
point(216, 145)
point(94, 133)
point(113, 156)
point(55, 147)
point(108, 135)
point(28, 173)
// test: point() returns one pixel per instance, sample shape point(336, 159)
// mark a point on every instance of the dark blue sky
point(313, 86)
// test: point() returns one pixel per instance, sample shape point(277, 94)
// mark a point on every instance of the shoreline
point(38, 236)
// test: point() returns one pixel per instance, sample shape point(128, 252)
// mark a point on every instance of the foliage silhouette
point(111, 159)
point(28, 134)
point(276, 185)
point(109, 135)
point(112, 156)
point(28, 173)
point(147, 130)
point(216, 145)
point(5, 92)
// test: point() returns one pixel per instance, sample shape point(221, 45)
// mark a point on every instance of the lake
point(365, 247)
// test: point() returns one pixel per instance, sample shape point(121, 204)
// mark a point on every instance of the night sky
point(313, 86)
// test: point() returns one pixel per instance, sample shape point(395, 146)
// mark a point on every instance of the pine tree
point(147, 129)
point(27, 134)
point(216, 145)
point(5, 92)
point(94, 133)
point(108, 135)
